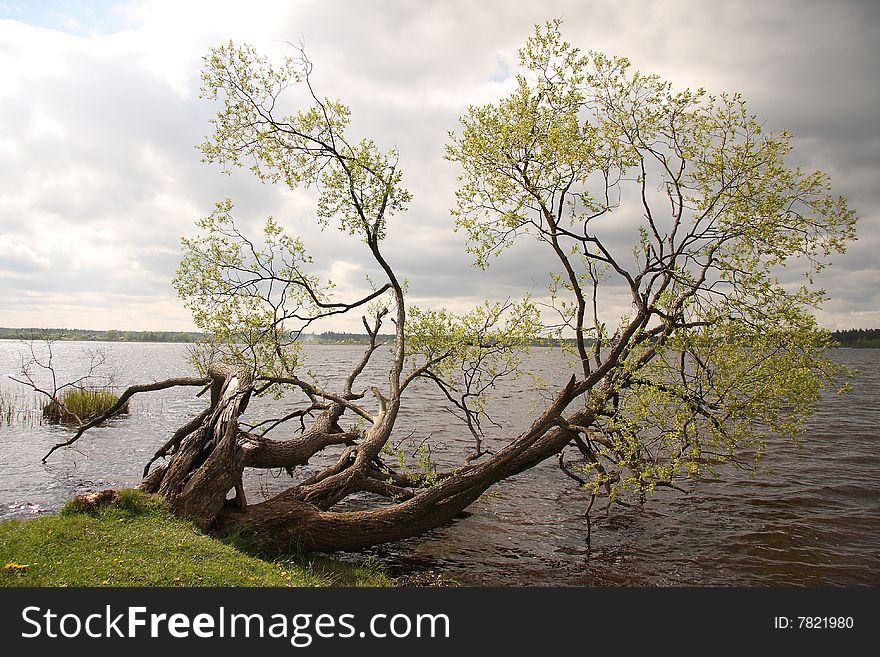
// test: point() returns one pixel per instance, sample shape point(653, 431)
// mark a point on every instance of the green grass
point(7, 407)
point(136, 542)
point(84, 403)
point(19, 407)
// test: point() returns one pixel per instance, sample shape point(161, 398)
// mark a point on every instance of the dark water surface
point(814, 521)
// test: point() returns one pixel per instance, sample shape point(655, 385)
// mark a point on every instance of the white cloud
point(99, 175)
point(16, 256)
point(44, 126)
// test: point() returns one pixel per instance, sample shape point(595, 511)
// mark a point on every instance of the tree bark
point(290, 519)
point(209, 462)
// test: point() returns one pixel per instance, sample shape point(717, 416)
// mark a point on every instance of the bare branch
point(123, 398)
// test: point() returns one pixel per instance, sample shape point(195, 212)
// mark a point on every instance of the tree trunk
point(208, 463)
point(290, 520)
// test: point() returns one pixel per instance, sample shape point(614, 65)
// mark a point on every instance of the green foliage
point(504, 330)
point(255, 299)
point(135, 542)
point(236, 291)
point(712, 397)
point(716, 354)
point(358, 185)
point(584, 124)
point(419, 466)
point(81, 405)
point(470, 352)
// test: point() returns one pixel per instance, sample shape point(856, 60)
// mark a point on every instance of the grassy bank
point(135, 542)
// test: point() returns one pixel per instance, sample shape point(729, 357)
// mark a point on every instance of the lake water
point(814, 521)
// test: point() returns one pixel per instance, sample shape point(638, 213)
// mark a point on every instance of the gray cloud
point(99, 176)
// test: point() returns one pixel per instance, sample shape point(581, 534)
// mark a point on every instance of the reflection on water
point(816, 521)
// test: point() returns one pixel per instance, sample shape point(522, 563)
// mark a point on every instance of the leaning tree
point(713, 355)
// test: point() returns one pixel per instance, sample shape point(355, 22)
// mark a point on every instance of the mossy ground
point(136, 542)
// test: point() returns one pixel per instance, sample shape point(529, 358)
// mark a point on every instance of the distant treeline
point(88, 335)
point(332, 337)
point(858, 338)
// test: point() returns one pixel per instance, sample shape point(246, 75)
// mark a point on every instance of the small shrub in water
point(85, 403)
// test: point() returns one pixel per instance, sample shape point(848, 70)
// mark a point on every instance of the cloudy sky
point(100, 114)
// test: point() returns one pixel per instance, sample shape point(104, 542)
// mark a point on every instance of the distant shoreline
point(186, 337)
point(88, 335)
point(852, 338)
